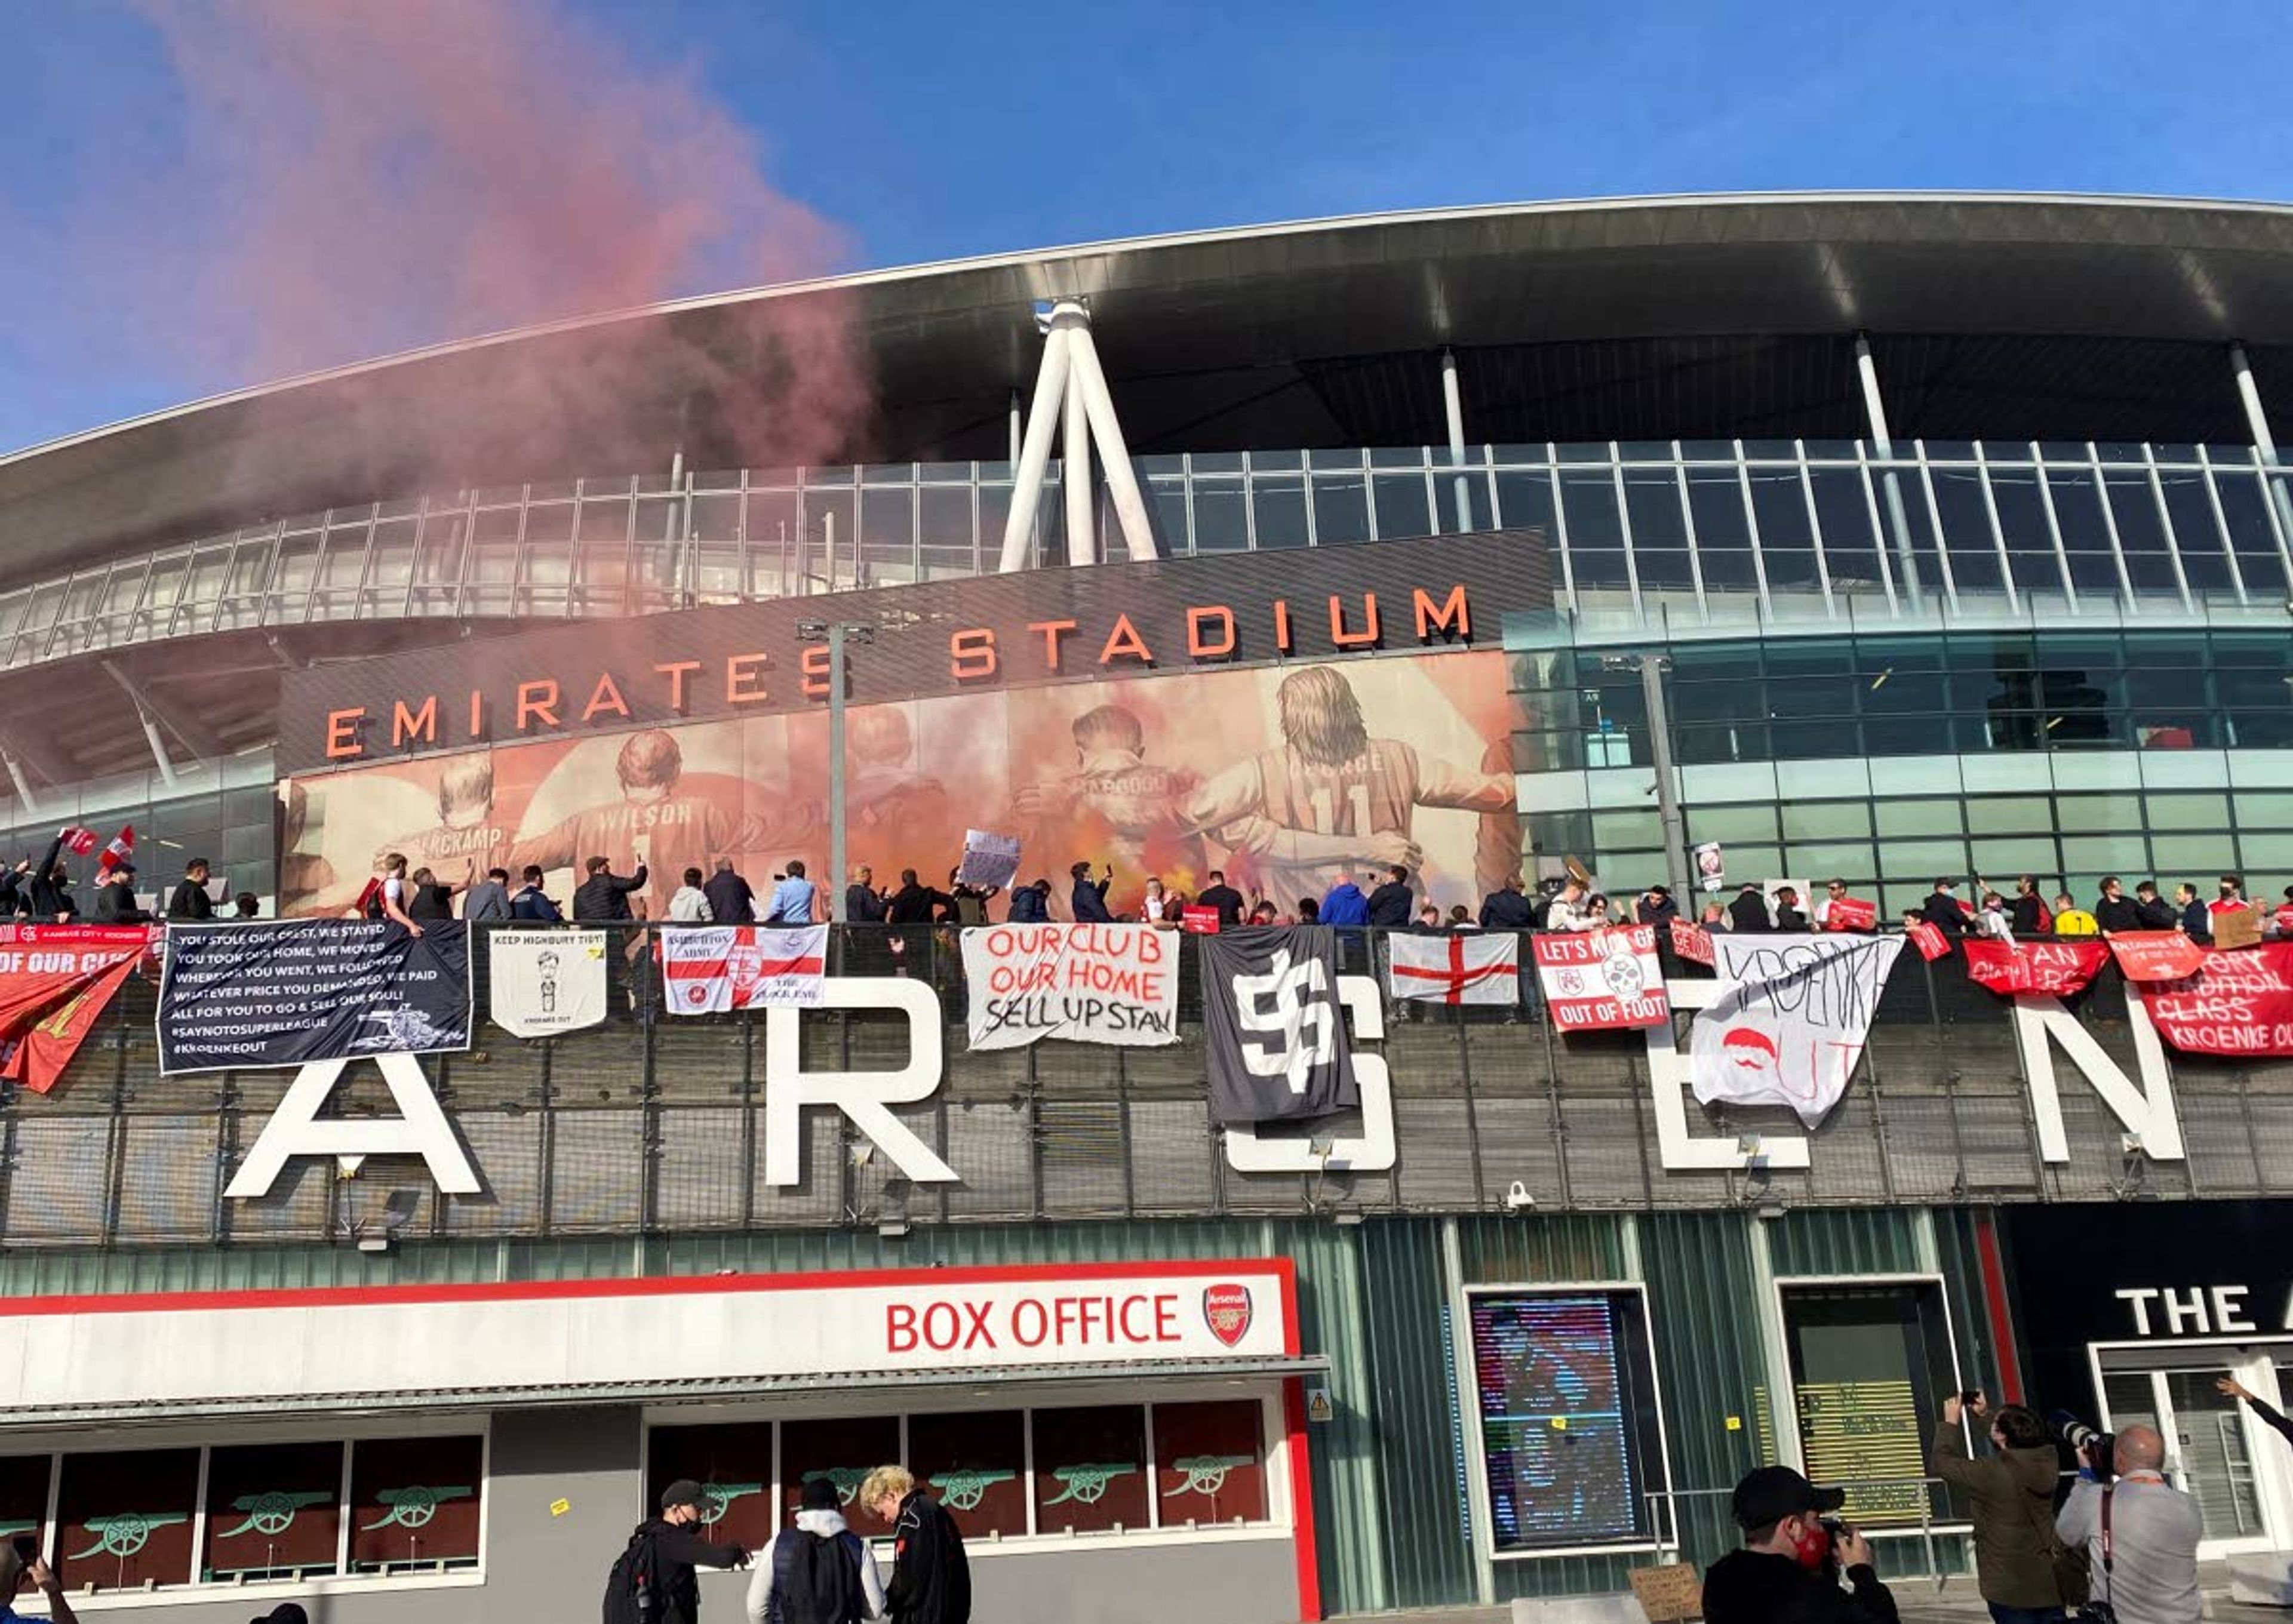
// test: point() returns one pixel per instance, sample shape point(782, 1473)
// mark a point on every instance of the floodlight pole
point(1652, 668)
point(837, 634)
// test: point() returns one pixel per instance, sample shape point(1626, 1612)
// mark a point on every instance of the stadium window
point(1724, 542)
point(733, 1463)
point(416, 1503)
point(974, 1463)
point(1596, 539)
point(1659, 531)
point(843, 1452)
point(1870, 1365)
point(1787, 543)
point(1524, 500)
point(1564, 1392)
point(1166, 505)
point(1403, 509)
point(888, 535)
point(1341, 508)
point(1843, 508)
point(1092, 1469)
point(1278, 507)
point(124, 1518)
point(2141, 530)
point(1965, 521)
point(2086, 533)
point(273, 1511)
point(2244, 511)
point(2022, 522)
point(1209, 1462)
point(1221, 516)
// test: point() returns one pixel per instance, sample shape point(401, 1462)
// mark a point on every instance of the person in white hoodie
point(817, 1572)
point(690, 905)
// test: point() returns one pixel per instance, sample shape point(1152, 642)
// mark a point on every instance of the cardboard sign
point(989, 860)
point(2237, 927)
point(1670, 1594)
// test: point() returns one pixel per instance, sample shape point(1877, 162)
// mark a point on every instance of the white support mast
point(1071, 399)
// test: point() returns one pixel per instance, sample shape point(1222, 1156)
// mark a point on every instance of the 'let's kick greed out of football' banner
point(711, 969)
point(1087, 983)
point(1597, 980)
point(54, 981)
point(282, 992)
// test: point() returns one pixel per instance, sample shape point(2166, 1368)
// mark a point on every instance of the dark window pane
point(275, 1511)
point(1209, 1462)
point(826, 535)
point(1596, 538)
point(1659, 531)
point(1724, 545)
point(1090, 1469)
point(945, 521)
point(2195, 533)
point(2022, 522)
point(976, 1464)
point(1524, 500)
point(1844, 513)
point(1341, 508)
point(1167, 503)
point(2086, 538)
point(124, 1519)
point(2141, 533)
point(1281, 512)
point(605, 520)
point(733, 1465)
point(1401, 506)
point(1787, 543)
point(415, 1502)
point(24, 1496)
point(1221, 524)
point(2250, 533)
point(1460, 496)
point(844, 1452)
point(1868, 1366)
point(1966, 529)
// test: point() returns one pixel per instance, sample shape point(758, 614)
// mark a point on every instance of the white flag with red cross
point(710, 969)
point(1455, 967)
point(122, 850)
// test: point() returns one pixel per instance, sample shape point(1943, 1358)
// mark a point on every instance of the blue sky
point(927, 131)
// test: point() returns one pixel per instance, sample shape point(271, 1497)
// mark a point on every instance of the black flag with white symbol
point(1276, 1039)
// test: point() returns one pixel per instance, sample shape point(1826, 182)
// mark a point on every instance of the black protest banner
point(283, 992)
point(1275, 1038)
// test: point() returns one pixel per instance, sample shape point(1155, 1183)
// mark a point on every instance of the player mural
point(1279, 776)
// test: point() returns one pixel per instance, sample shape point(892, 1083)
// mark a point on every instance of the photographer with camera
point(1788, 1571)
point(2140, 1533)
point(2021, 1566)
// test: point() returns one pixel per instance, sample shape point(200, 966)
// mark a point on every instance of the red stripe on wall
point(1994, 1297)
point(1302, 1499)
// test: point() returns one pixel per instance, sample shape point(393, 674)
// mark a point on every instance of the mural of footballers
point(1117, 807)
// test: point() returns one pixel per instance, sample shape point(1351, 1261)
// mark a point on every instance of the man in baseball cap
point(653, 1579)
point(1787, 1572)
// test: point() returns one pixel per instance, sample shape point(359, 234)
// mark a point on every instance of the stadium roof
point(2007, 316)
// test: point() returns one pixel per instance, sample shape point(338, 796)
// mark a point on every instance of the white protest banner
point(1089, 983)
point(1598, 980)
point(989, 860)
point(1455, 967)
point(543, 982)
point(1790, 1027)
point(710, 969)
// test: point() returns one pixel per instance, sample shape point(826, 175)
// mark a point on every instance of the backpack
point(817, 1580)
point(636, 1591)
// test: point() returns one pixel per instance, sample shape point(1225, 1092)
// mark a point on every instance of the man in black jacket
point(45, 894)
point(2029, 915)
point(931, 1577)
point(1392, 903)
point(915, 902)
point(603, 898)
point(1942, 909)
point(1656, 907)
point(2154, 911)
point(115, 898)
point(1771, 1580)
point(863, 904)
point(1507, 909)
point(1749, 911)
point(1223, 897)
point(1089, 901)
point(2114, 911)
point(191, 900)
point(678, 1547)
point(1031, 904)
point(730, 900)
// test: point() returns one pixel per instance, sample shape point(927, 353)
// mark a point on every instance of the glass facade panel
point(1090, 1469)
point(2086, 533)
point(2023, 523)
point(1524, 500)
point(1659, 530)
point(2244, 510)
point(2197, 536)
point(1723, 540)
point(275, 1511)
point(1403, 505)
point(1209, 1462)
point(974, 1463)
point(1965, 521)
point(1596, 536)
point(1342, 508)
point(1850, 547)
point(1787, 541)
point(1222, 517)
point(1278, 509)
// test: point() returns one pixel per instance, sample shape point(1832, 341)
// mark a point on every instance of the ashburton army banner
point(282, 992)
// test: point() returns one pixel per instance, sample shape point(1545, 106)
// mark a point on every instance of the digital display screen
point(1556, 1378)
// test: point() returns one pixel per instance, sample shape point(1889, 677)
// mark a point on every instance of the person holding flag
point(44, 892)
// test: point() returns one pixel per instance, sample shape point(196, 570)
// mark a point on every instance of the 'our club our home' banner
point(1087, 983)
point(55, 980)
point(283, 993)
point(1595, 981)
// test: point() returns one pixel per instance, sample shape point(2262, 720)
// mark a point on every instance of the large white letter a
point(420, 1129)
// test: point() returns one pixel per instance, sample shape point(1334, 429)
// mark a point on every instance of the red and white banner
point(79, 841)
point(1790, 1020)
point(1930, 941)
point(2241, 1002)
point(1850, 914)
point(1455, 967)
point(122, 850)
point(1197, 920)
point(2156, 956)
point(55, 980)
point(1087, 983)
point(1598, 980)
point(2056, 969)
point(710, 969)
point(1691, 941)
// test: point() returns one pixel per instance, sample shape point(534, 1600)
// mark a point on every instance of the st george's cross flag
point(710, 969)
point(1455, 967)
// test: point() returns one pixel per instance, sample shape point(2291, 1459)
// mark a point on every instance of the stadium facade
point(1948, 535)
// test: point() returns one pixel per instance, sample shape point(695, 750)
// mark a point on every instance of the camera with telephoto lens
point(2096, 1450)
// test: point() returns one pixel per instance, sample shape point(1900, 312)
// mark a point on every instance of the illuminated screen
point(1567, 1418)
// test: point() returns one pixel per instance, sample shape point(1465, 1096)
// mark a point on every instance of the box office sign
point(2142, 1104)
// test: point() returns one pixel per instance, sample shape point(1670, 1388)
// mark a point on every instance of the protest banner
point(1596, 980)
point(1929, 939)
point(1792, 1026)
point(2156, 956)
point(1198, 920)
point(1711, 869)
point(715, 969)
point(283, 992)
point(54, 981)
point(1691, 941)
point(2240, 1003)
point(1850, 914)
point(1087, 983)
point(989, 860)
point(2056, 969)
point(541, 983)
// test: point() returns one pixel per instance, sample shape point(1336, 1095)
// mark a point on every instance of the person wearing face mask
point(1783, 1572)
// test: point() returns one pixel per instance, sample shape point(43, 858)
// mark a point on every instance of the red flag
point(2156, 956)
point(1851, 913)
point(1198, 921)
point(79, 842)
point(46, 1014)
point(1930, 941)
point(1691, 941)
point(2051, 967)
point(122, 850)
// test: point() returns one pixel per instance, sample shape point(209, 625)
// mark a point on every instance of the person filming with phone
point(2140, 1533)
point(2024, 1571)
point(21, 1570)
point(1799, 1565)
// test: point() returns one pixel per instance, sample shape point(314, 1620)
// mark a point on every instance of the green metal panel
point(1844, 1240)
point(1498, 1251)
